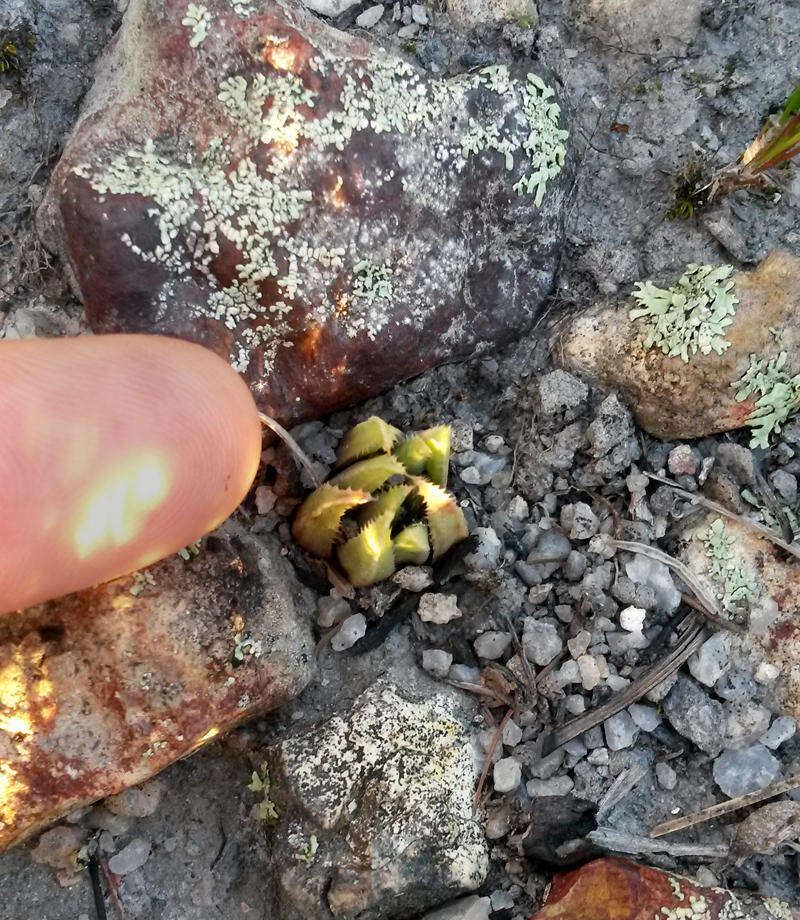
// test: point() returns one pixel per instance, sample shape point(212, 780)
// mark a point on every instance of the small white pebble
point(575, 704)
point(507, 775)
point(512, 734)
point(590, 673)
point(438, 608)
point(351, 630)
point(766, 672)
point(632, 619)
point(436, 661)
point(494, 442)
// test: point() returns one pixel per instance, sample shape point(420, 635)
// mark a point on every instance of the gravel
point(507, 774)
point(745, 770)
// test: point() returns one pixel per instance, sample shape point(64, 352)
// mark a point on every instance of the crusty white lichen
point(777, 396)
point(690, 316)
point(210, 200)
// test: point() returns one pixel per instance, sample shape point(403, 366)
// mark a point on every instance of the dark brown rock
point(102, 689)
point(324, 214)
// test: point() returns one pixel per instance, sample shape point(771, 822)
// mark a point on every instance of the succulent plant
point(385, 505)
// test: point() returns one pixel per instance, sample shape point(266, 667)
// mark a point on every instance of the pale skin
point(115, 451)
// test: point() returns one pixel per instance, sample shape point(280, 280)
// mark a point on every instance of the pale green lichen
point(777, 396)
point(736, 588)
point(202, 203)
point(198, 19)
point(244, 644)
point(307, 854)
point(690, 316)
point(261, 785)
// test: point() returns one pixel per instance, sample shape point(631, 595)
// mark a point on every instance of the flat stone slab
point(326, 215)
point(102, 689)
point(375, 809)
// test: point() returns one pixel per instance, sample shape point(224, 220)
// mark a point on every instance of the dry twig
point(724, 808)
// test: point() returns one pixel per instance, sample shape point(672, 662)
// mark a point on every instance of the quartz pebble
point(541, 788)
point(414, 578)
point(541, 642)
point(507, 774)
point(745, 770)
point(782, 729)
point(766, 672)
point(575, 704)
point(620, 731)
point(579, 644)
point(711, 660)
point(590, 672)
point(132, 857)
point(331, 610)
point(645, 717)
point(436, 661)
point(487, 550)
point(370, 16)
point(632, 619)
point(351, 630)
point(438, 608)
point(512, 734)
point(666, 776)
point(492, 645)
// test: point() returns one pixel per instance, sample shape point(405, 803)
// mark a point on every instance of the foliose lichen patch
point(776, 393)
point(690, 316)
point(736, 587)
point(209, 198)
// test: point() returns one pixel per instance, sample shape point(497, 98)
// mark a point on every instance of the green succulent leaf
point(317, 522)
point(413, 453)
point(390, 500)
point(369, 475)
point(437, 465)
point(446, 522)
point(411, 545)
point(369, 557)
point(369, 437)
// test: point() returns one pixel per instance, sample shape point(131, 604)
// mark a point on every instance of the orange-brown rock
point(616, 889)
point(102, 689)
point(675, 399)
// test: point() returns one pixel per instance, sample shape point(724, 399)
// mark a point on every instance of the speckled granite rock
point(104, 688)
point(616, 889)
point(326, 215)
point(384, 792)
point(676, 399)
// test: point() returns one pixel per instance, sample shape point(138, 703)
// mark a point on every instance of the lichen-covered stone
point(382, 794)
point(617, 889)
point(322, 213)
point(674, 398)
point(102, 689)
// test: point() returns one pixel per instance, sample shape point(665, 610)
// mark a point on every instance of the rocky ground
point(535, 620)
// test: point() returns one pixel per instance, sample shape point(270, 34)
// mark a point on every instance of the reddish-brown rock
point(616, 889)
point(328, 216)
point(102, 689)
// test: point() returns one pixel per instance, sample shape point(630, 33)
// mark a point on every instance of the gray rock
point(487, 550)
point(620, 731)
point(351, 630)
point(366, 782)
point(132, 857)
point(541, 642)
point(507, 774)
point(745, 770)
point(785, 484)
point(419, 13)
point(711, 660)
point(438, 608)
point(512, 734)
point(543, 788)
point(735, 685)
point(738, 460)
point(646, 717)
point(579, 520)
point(492, 644)
point(470, 908)
point(693, 714)
point(463, 673)
point(329, 8)
point(437, 662)
point(371, 16)
point(559, 391)
point(575, 566)
point(612, 426)
point(782, 729)
point(744, 723)
point(655, 575)
point(332, 610)
point(482, 468)
point(666, 776)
